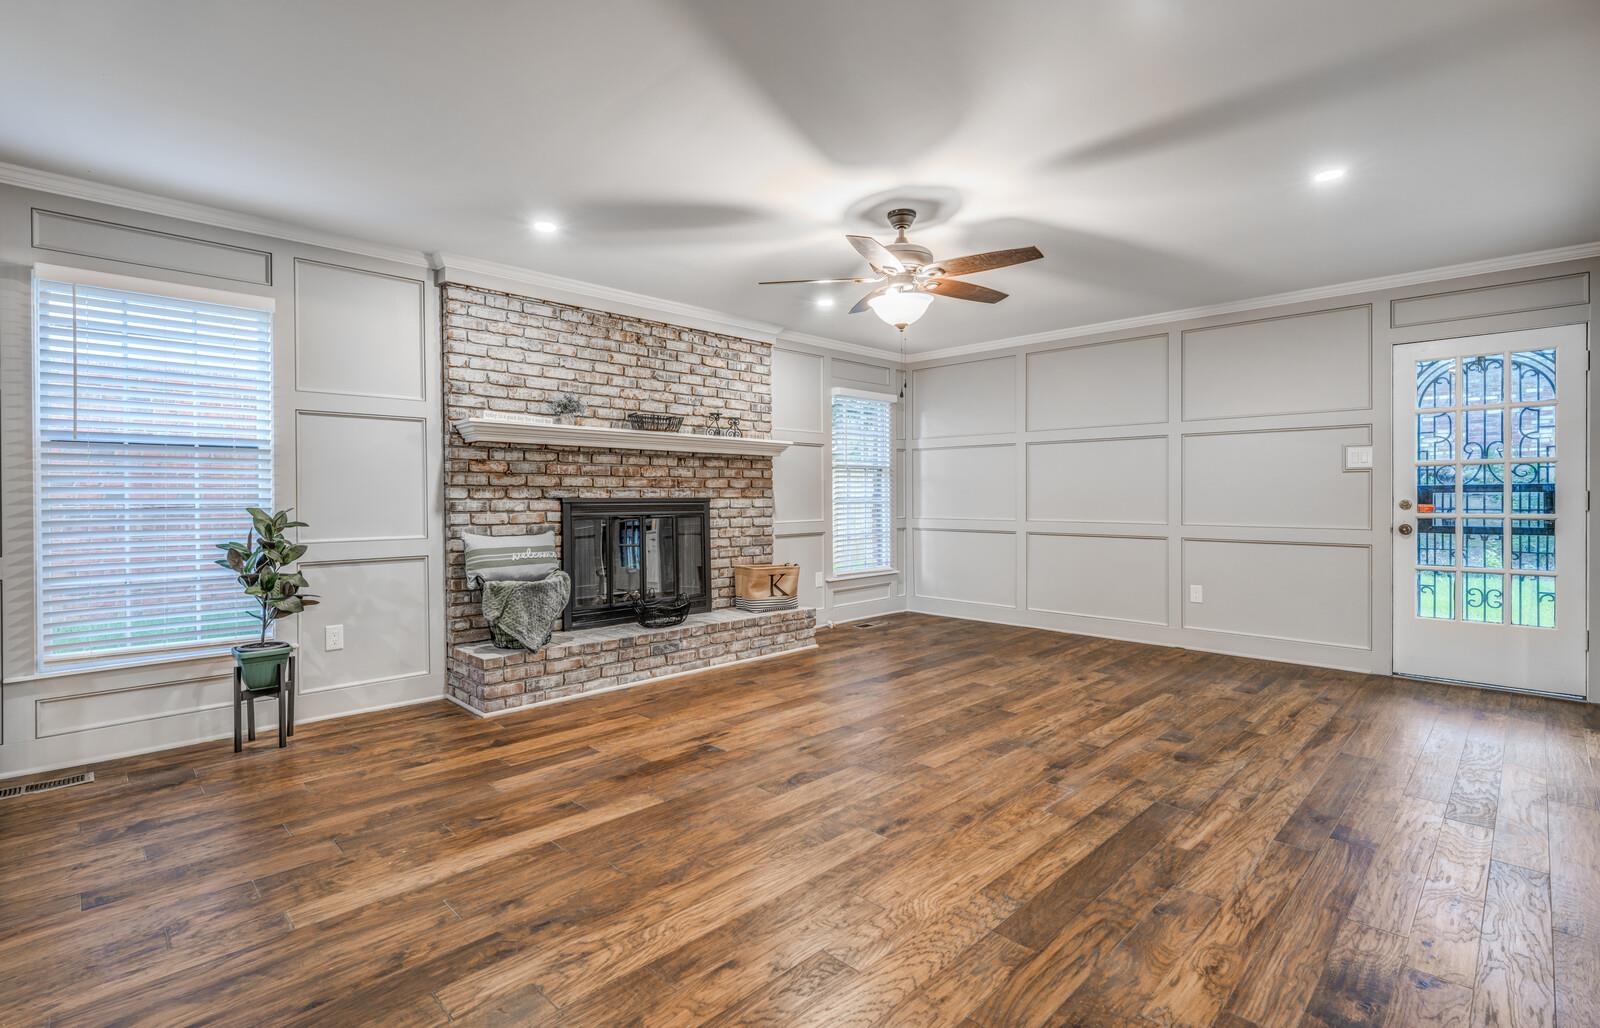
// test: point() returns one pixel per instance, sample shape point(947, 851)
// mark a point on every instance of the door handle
point(1404, 529)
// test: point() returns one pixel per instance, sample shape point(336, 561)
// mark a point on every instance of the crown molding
point(839, 346)
point(216, 217)
point(469, 271)
point(1582, 251)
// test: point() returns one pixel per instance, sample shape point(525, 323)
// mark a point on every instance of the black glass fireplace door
point(616, 551)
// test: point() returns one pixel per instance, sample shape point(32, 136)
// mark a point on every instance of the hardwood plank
point(1516, 964)
point(1421, 999)
point(1444, 935)
point(1358, 981)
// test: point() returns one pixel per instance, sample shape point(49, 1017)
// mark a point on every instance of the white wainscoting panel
point(145, 248)
point(797, 486)
point(966, 566)
point(1118, 383)
point(1276, 479)
point(862, 374)
point(1297, 364)
point(796, 393)
point(975, 398)
point(358, 333)
point(1106, 480)
point(361, 477)
point(89, 711)
point(1299, 592)
point(1118, 578)
point(383, 605)
point(810, 552)
point(977, 482)
point(1511, 298)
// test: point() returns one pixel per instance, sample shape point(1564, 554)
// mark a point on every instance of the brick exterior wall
point(513, 353)
point(490, 680)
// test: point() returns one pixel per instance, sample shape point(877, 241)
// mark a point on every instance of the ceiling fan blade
point(817, 281)
point(863, 303)
point(877, 255)
point(963, 290)
point(988, 261)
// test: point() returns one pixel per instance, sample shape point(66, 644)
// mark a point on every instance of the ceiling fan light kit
point(911, 278)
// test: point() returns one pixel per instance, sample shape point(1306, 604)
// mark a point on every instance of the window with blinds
point(862, 475)
point(154, 434)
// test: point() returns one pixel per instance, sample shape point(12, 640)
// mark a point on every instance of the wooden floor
point(922, 822)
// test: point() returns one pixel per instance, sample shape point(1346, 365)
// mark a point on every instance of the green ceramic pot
point(259, 663)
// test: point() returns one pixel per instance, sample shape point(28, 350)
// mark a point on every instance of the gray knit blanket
point(525, 613)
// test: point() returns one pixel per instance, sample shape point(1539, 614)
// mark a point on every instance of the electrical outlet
point(818, 580)
point(333, 637)
point(1197, 594)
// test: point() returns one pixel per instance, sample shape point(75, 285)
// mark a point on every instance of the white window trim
point(133, 659)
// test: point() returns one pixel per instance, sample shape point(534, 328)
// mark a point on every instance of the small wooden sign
point(766, 581)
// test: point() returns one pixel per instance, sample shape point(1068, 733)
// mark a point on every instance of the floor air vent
point(9, 791)
point(866, 624)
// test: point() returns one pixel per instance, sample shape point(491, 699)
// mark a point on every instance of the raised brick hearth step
point(490, 680)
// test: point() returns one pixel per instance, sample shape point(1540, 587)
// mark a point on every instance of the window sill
point(856, 576)
point(173, 658)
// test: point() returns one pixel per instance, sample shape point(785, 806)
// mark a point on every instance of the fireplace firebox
point(617, 551)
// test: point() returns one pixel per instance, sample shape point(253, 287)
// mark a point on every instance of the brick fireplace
point(511, 355)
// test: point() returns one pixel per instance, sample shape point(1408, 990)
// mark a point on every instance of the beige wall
point(357, 426)
point(1085, 484)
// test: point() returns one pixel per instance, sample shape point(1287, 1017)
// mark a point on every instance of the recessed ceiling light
point(546, 228)
point(1328, 175)
point(824, 301)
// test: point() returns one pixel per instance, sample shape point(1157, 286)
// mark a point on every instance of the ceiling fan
point(912, 278)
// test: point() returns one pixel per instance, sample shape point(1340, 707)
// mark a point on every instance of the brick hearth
point(488, 679)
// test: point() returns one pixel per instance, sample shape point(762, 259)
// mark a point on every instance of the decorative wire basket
point(643, 422)
point(661, 611)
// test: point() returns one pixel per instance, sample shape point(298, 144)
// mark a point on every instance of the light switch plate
point(333, 637)
point(1197, 594)
point(1358, 458)
point(819, 580)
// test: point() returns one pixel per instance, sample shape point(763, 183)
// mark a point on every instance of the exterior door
point(1491, 497)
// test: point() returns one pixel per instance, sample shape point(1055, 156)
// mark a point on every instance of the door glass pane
point(1533, 545)
point(1533, 432)
point(1436, 437)
point(1533, 488)
point(1483, 488)
point(1484, 436)
point(1533, 376)
point(1481, 543)
point(1436, 383)
point(1485, 379)
point(1482, 598)
point(1436, 596)
point(1436, 542)
point(1533, 601)
point(1436, 488)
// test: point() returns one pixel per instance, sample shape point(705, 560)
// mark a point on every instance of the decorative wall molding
point(216, 217)
point(1582, 251)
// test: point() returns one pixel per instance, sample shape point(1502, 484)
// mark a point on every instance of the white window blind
point(154, 435)
point(862, 476)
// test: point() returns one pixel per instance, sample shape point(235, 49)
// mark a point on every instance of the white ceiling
point(1158, 151)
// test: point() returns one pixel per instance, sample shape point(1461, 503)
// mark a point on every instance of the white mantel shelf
point(597, 437)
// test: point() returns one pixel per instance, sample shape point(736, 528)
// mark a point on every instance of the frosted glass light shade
point(900, 307)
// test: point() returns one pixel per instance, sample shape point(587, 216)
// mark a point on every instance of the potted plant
point(566, 407)
point(259, 564)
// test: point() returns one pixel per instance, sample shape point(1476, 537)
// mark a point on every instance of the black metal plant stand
point(246, 699)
